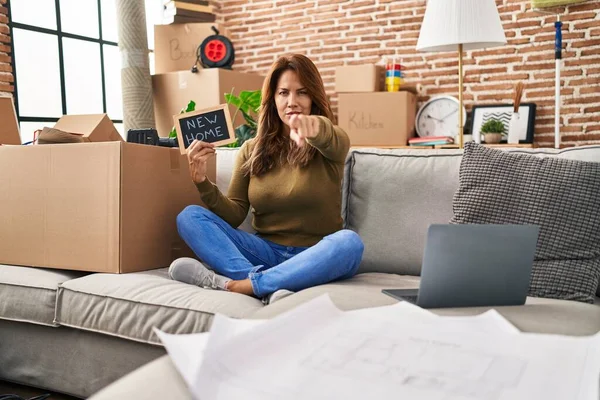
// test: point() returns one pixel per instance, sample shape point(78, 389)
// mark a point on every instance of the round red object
point(215, 50)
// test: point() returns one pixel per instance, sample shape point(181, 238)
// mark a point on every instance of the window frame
point(60, 35)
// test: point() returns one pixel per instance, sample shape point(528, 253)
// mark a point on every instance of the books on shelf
point(189, 11)
point(430, 140)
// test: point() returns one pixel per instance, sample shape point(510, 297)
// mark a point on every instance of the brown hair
point(272, 146)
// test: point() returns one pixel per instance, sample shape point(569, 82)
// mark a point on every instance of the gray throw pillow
point(561, 196)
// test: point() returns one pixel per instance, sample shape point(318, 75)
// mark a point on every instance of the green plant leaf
point(233, 99)
point(251, 99)
point(243, 133)
point(248, 103)
point(249, 120)
point(247, 100)
point(191, 106)
point(243, 105)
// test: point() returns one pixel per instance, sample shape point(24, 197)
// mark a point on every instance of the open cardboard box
point(92, 127)
point(99, 207)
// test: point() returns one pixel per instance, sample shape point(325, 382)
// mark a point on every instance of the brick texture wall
point(342, 32)
point(6, 76)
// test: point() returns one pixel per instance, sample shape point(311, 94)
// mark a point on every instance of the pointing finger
point(296, 138)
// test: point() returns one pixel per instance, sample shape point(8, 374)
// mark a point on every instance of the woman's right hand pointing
point(198, 154)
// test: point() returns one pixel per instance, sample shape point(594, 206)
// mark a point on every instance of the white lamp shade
point(473, 23)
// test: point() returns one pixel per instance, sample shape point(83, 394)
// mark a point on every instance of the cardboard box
point(175, 45)
point(359, 78)
point(174, 90)
point(9, 127)
point(378, 119)
point(93, 127)
point(101, 207)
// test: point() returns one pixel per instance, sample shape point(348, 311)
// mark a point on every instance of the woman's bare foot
point(243, 287)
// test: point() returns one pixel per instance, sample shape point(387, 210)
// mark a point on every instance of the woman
point(291, 175)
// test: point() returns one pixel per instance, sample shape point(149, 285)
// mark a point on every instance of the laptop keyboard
point(410, 299)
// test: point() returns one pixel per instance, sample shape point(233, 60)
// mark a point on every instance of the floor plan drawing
point(420, 364)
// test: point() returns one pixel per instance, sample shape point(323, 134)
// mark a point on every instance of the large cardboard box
point(101, 207)
point(175, 45)
point(93, 127)
point(359, 78)
point(9, 127)
point(378, 119)
point(174, 90)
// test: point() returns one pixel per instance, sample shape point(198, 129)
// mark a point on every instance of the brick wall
point(338, 32)
point(6, 76)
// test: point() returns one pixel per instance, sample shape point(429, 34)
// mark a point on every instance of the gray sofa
point(76, 333)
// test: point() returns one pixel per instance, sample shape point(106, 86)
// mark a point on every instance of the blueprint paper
point(187, 351)
point(315, 351)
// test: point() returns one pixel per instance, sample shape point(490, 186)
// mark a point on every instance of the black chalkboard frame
point(230, 130)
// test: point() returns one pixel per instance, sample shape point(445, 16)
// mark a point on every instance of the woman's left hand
point(303, 127)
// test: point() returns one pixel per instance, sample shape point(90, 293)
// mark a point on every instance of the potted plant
point(492, 131)
point(248, 103)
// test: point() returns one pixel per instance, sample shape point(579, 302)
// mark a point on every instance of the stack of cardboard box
point(368, 114)
point(103, 205)
point(174, 84)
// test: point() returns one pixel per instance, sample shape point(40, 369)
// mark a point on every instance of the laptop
point(469, 265)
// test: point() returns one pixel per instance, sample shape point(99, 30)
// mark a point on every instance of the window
point(66, 59)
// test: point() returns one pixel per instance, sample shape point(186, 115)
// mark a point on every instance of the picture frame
point(503, 112)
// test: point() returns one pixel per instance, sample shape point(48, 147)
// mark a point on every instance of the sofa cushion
point(561, 196)
point(364, 291)
point(582, 153)
point(29, 294)
point(361, 291)
point(390, 197)
point(130, 305)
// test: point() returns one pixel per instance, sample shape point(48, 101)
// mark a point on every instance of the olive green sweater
point(292, 206)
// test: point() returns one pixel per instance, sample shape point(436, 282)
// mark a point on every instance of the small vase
point(516, 129)
point(492, 138)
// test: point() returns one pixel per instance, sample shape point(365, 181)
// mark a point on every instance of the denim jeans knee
point(191, 212)
point(349, 242)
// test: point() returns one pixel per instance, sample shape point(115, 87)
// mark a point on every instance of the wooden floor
point(29, 392)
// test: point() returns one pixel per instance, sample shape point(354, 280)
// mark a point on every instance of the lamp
point(451, 25)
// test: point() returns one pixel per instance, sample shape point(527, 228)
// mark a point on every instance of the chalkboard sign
point(211, 125)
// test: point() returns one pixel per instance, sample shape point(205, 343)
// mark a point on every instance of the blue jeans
point(240, 255)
